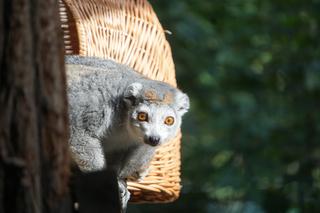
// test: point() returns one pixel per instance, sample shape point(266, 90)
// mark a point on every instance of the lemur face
point(153, 123)
point(154, 111)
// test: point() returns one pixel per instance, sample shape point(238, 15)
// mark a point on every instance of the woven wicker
point(128, 32)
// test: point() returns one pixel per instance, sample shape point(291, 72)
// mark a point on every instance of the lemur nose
point(154, 140)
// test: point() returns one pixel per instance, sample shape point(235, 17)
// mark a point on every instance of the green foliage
point(252, 69)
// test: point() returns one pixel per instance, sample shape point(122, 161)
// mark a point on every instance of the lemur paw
point(140, 175)
point(123, 193)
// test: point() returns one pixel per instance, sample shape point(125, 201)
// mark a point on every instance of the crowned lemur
point(118, 117)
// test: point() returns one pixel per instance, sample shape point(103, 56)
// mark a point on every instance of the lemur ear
point(183, 103)
point(132, 92)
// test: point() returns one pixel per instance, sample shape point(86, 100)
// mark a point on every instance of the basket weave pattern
point(128, 32)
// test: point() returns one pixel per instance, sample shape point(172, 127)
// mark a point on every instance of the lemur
point(118, 117)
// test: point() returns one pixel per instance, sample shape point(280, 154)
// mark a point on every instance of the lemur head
point(154, 111)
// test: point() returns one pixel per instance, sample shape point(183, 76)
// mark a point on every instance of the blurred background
point(251, 141)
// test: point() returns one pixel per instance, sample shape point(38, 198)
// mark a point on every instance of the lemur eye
point(169, 121)
point(142, 116)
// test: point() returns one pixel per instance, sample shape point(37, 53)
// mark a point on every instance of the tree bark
point(34, 159)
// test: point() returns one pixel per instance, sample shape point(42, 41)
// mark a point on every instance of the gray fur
point(104, 99)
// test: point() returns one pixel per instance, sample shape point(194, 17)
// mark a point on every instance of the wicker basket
point(128, 32)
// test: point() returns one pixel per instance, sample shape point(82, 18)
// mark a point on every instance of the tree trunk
point(34, 160)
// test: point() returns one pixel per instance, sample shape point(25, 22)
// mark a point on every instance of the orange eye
point(142, 116)
point(169, 121)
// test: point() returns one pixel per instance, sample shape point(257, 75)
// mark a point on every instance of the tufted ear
point(182, 103)
point(132, 92)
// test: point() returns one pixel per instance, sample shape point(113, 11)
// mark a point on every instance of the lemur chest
point(118, 140)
